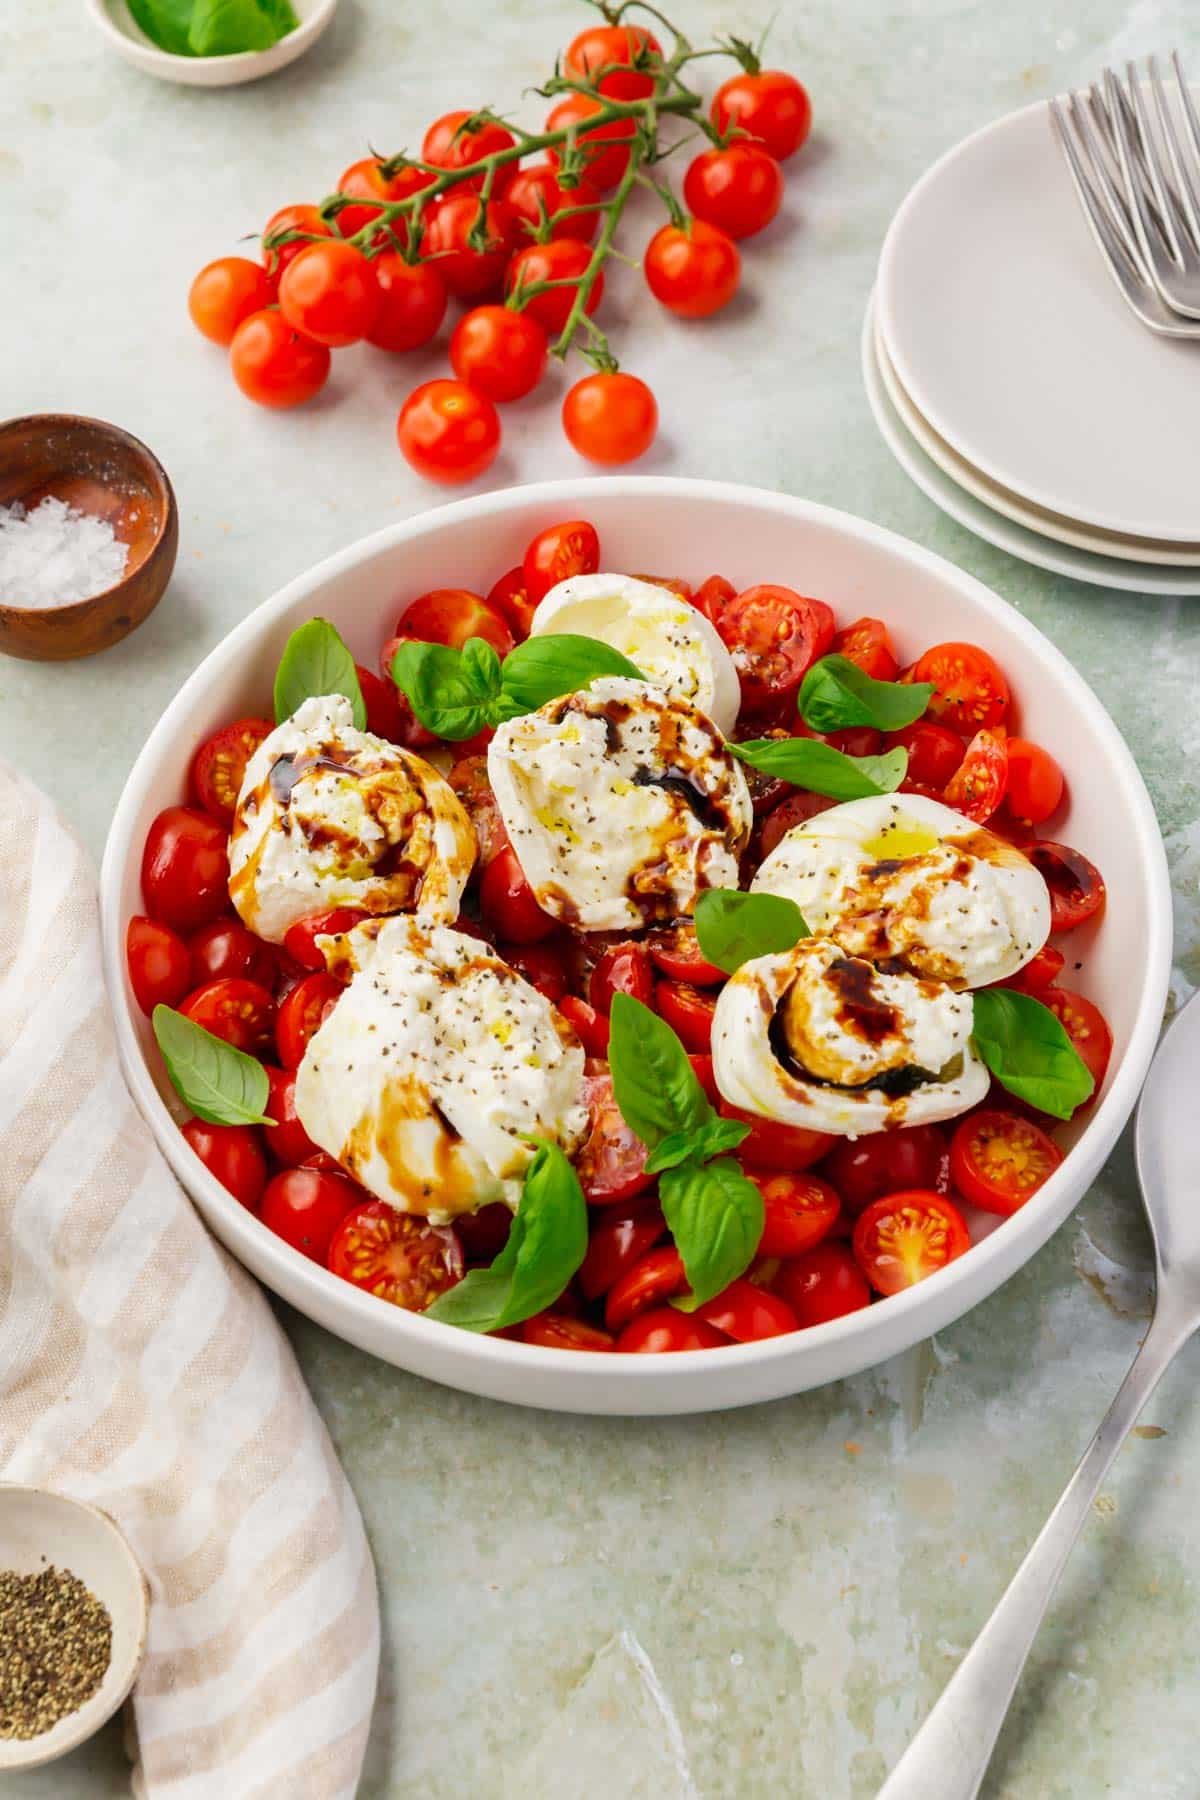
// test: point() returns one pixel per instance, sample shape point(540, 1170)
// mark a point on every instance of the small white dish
point(1034, 518)
point(1015, 345)
point(965, 509)
point(37, 1528)
point(115, 21)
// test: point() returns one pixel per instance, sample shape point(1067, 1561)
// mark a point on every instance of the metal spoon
point(949, 1756)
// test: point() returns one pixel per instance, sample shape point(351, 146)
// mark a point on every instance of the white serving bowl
point(115, 21)
point(687, 528)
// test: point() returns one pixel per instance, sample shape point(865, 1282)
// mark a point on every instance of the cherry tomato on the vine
point(303, 219)
point(536, 195)
point(605, 147)
point(769, 105)
point(557, 553)
point(448, 145)
point(225, 292)
point(275, 365)
point(692, 269)
point(562, 259)
point(329, 293)
point(500, 351)
point(450, 239)
point(739, 188)
point(233, 1153)
point(366, 180)
point(628, 52)
point(448, 432)
point(219, 765)
point(412, 302)
point(610, 417)
point(159, 964)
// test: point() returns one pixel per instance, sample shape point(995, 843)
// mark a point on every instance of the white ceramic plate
point(993, 527)
point(1034, 518)
point(686, 528)
point(1012, 340)
point(117, 24)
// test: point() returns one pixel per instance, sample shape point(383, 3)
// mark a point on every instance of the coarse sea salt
point(56, 554)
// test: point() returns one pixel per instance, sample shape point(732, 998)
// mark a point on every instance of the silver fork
point(1168, 231)
point(1112, 218)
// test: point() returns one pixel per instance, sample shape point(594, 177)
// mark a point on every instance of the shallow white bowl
point(115, 21)
point(39, 1527)
point(686, 528)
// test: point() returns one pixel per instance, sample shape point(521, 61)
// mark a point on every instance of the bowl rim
point(169, 510)
point(149, 55)
point(997, 1256)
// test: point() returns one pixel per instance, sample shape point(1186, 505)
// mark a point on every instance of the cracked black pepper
point(55, 1646)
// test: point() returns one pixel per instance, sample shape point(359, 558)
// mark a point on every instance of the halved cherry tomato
point(590, 1027)
point(934, 752)
point(185, 868)
point(664, 1330)
point(978, 785)
point(469, 779)
point(302, 1014)
point(508, 903)
point(774, 636)
point(543, 966)
point(611, 1166)
point(300, 941)
point(287, 1140)
point(766, 791)
point(483, 1234)
point(1035, 782)
point(617, 1243)
point(746, 1312)
point(394, 1255)
point(798, 1211)
point(558, 1331)
point(1040, 972)
point(797, 809)
point(883, 1162)
point(1077, 890)
point(629, 53)
point(676, 583)
point(451, 616)
point(233, 1153)
point(625, 969)
point(535, 194)
point(825, 1283)
point(572, 548)
point(713, 596)
point(383, 702)
point(902, 1238)
point(511, 597)
point(971, 689)
point(240, 1012)
point(657, 1277)
point(226, 948)
point(869, 644)
point(305, 1207)
point(1086, 1027)
point(219, 765)
point(159, 964)
point(675, 950)
point(998, 1160)
point(689, 1011)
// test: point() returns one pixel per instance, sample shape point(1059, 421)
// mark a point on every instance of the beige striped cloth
point(142, 1369)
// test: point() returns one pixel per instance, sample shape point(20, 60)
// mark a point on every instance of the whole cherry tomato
point(305, 1207)
point(746, 1312)
point(225, 292)
point(1035, 782)
point(412, 302)
point(536, 195)
point(542, 965)
point(448, 432)
point(451, 616)
point(882, 1162)
point(769, 105)
point(329, 293)
point(664, 1330)
point(450, 237)
point(934, 752)
point(502, 353)
point(610, 417)
point(233, 1153)
point(658, 1276)
point(798, 1211)
point(624, 969)
point(629, 53)
point(825, 1283)
point(451, 146)
point(564, 260)
point(185, 868)
point(228, 948)
point(508, 903)
point(159, 964)
point(618, 1241)
point(274, 365)
point(693, 269)
point(238, 1011)
point(369, 180)
point(738, 188)
point(219, 765)
point(306, 220)
point(302, 1014)
point(605, 147)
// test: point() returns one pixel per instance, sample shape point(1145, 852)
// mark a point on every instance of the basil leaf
point(165, 23)
point(221, 1085)
point(822, 769)
point(836, 693)
point(315, 661)
point(733, 928)
point(1029, 1052)
point(546, 1245)
point(655, 1086)
point(454, 693)
point(542, 668)
point(716, 1217)
point(696, 1146)
point(227, 27)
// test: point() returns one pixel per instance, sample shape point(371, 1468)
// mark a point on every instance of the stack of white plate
point(1013, 384)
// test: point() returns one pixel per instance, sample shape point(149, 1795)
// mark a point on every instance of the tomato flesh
point(868, 642)
point(689, 1011)
point(300, 941)
point(395, 1256)
point(1077, 890)
point(508, 903)
point(1087, 1029)
point(979, 783)
point(558, 1331)
point(590, 1027)
point(558, 553)
point(774, 636)
point(302, 1014)
point(237, 1011)
point(611, 1166)
point(625, 969)
point(999, 1160)
point(675, 951)
point(971, 691)
point(903, 1238)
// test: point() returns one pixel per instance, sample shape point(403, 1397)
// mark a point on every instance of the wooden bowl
point(102, 470)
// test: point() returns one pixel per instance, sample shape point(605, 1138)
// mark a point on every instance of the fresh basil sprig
point(546, 1244)
point(713, 1210)
point(315, 661)
point(822, 769)
point(221, 1085)
point(1028, 1050)
point(456, 693)
point(733, 928)
point(836, 694)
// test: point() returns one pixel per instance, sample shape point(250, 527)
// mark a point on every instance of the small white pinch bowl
point(38, 1527)
point(115, 22)
point(682, 528)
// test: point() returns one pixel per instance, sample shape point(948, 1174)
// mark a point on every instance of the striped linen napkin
point(142, 1369)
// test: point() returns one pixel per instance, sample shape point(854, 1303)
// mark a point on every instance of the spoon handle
point(950, 1753)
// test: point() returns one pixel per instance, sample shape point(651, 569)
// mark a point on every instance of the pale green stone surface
point(760, 1603)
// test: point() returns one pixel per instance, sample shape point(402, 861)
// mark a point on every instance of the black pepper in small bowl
point(55, 1648)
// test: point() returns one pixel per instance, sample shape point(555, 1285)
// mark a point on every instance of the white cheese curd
point(621, 804)
point(435, 1062)
point(671, 642)
point(902, 878)
point(817, 1038)
point(331, 816)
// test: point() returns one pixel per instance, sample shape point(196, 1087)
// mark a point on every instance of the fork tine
point(1187, 211)
point(1188, 110)
point(1099, 108)
point(1142, 222)
point(1111, 244)
point(1152, 156)
point(1081, 119)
